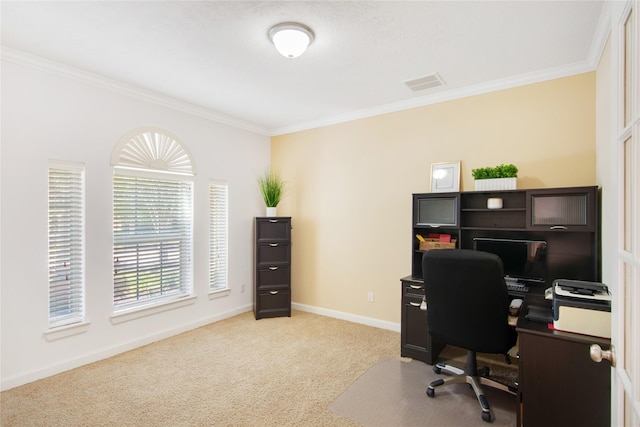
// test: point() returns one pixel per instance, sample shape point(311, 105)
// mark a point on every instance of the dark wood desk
point(559, 384)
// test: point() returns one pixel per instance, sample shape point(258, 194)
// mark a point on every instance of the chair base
point(472, 377)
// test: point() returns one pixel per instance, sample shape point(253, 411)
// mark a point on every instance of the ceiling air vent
point(426, 82)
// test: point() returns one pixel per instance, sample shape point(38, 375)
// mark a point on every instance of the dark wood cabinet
point(272, 269)
point(559, 384)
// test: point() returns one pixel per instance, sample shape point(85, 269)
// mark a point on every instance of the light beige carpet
point(236, 372)
point(392, 393)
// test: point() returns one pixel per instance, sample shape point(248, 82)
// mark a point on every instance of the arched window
point(153, 149)
point(152, 219)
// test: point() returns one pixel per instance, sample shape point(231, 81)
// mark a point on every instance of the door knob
point(597, 354)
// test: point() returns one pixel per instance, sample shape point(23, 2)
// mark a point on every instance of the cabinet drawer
point(273, 303)
point(268, 229)
point(269, 253)
point(415, 290)
point(274, 276)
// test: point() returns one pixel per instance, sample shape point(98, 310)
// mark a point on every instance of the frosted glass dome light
point(291, 39)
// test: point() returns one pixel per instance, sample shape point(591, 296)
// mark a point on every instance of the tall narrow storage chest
point(272, 274)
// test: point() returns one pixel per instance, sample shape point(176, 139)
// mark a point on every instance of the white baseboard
point(369, 321)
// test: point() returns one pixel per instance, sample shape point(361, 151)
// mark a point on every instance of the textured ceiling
point(216, 55)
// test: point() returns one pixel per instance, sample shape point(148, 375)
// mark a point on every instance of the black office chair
point(467, 307)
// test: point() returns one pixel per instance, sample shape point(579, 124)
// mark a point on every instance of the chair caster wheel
point(431, 392)
point(486, 416)
point(437, 370)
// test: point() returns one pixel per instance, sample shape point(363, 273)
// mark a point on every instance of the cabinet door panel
point(273, 277)
point(271, 253)
point(562, 209)
point(437, 210)
point(561, 385)
point(274, 303)
point(416, 334)
point(269, 229)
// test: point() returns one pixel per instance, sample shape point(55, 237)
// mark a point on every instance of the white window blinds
point(152, 232)
point(66, 244)
point(218, 226)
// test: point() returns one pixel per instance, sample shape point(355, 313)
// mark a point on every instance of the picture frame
point(445, 177)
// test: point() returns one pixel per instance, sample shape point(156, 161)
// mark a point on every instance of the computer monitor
point(522, 259)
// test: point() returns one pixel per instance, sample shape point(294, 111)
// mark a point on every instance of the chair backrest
point(467, 300)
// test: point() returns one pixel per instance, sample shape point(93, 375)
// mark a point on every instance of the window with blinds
point(218, 232)
point(66, 244)
point(152, 237)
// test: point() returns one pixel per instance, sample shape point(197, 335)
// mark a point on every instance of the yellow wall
point(350, 184)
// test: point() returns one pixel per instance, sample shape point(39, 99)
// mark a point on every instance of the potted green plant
point(501, 177)
point(272, 189)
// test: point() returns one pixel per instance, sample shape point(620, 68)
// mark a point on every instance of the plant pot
point(495, 184)
point(271, 211)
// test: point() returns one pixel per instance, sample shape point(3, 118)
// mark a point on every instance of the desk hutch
point(566, 218)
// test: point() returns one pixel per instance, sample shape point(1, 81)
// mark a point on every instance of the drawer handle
point(273, 245)
point(273, 292)
point(557, 227)
point(415, 286)
point(273, 268)
point(415, 304)
point(273, 220)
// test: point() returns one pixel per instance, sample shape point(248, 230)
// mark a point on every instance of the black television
point(523, 260)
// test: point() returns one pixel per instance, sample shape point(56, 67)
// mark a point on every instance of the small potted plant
point(272, 190)
point(501, 177)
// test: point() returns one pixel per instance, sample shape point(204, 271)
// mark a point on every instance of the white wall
point(46, 116)
point(605, 165)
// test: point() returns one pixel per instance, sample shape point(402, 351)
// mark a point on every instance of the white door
point(626, 272)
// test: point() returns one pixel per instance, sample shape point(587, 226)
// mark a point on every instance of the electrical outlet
point(370, 296)
point(242, 288)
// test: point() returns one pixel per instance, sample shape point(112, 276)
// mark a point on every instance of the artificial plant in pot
point(272, 190)
point(501, 177)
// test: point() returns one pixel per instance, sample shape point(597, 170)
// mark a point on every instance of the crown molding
point(601, 35)
point(35, 62)
point(446, 95)
point(52, 67)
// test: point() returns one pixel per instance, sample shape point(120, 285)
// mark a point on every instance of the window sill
point(126, 315)
point(60, 332)
point(219, 293)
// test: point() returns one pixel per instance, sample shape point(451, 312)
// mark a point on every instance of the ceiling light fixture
point(291, 39)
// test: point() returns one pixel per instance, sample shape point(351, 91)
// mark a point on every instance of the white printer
point(582, 307)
